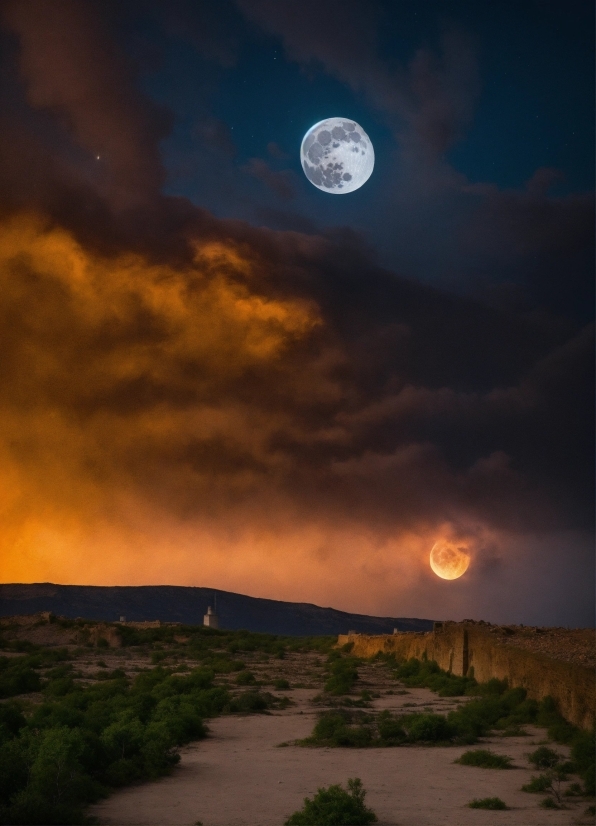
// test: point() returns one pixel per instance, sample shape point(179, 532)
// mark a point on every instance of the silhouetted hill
point(173, 603)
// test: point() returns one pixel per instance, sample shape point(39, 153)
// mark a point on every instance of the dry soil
point(241, 776)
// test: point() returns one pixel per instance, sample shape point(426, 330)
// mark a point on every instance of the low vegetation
point(484, 759)
point(556, 771)
point(494, 803)
point(68, 737)
point(334, 806)
point(491, 705)
point(343, 673)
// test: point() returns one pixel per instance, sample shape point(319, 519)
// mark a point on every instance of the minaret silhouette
point(210, 619)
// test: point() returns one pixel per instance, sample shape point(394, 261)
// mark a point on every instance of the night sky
point(215, 374)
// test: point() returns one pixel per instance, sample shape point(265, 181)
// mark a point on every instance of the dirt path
point(240, 776)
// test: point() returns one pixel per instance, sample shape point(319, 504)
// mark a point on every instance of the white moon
point(337, 156)
point(449, 561)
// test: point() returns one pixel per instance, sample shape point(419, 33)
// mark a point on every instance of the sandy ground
point(240, 776)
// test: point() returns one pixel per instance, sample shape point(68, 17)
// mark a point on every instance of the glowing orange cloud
point(187, 424)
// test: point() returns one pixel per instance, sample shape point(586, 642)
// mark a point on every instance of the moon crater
point(448, 560)
point(337, 156)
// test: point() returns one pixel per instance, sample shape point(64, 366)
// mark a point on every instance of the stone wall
point(458, 647)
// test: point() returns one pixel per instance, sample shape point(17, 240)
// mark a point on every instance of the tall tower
point(210, 619)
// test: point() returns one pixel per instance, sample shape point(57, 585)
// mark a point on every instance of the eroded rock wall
point(459, 647)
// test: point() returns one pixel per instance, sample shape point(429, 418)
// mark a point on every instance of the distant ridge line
point(188, 604)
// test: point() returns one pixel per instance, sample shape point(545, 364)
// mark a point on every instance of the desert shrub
point(82, 740)
point(583, 757)
point(391, 731)
point(544, 758)
point(484, 759)
point(346, 727)
point(537, 785)
point(427, 728)
point(281, 685)
point(336, 729)
point(245, 678)
point(494, 687)
point(343, 673)
point(549, 803)
point(549, 782)
point(334, 806)
point(423, 673)
point(329, 724)
point(250, 701)
point(59, 687)
point(476, 718)
point(181, 718)
point(222, 665)
point(558, 729)
point(494, 803)
point(17, 676)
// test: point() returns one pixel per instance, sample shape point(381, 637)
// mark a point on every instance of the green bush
point(558, 729)
point(334, 806)
point(484, 759)
point(343, 673)
point(245, 678)
point(417, 673)
point(250, 702)
point(391, 730)
point(544, 758)
point(81, 741)
point(427, 728)
point(17, 676)
point(537, 785)
point(583, 756)
point(494, 803)
point(335, 729)
point(281, 685)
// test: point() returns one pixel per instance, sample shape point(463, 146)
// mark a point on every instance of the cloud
point(215, 397)
point(70, 67)
point(429, 102)
point(197, 400)
point(280, 182)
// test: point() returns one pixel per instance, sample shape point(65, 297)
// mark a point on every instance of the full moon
point(449, 561)
point(337, 156)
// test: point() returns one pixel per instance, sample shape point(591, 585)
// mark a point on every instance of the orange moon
point(449, 561)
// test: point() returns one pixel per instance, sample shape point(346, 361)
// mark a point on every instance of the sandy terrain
point(240, 775)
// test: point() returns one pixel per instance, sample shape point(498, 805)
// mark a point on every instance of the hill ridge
point(187, 604)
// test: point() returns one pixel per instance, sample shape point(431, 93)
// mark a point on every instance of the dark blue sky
point(535, 61)
point(512, 85)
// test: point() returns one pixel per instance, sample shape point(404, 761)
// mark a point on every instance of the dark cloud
point(70, 67)
point(281, 182)
point(429, 102)
point(275, 392)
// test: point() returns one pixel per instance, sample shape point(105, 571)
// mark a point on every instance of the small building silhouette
point(210, 619)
